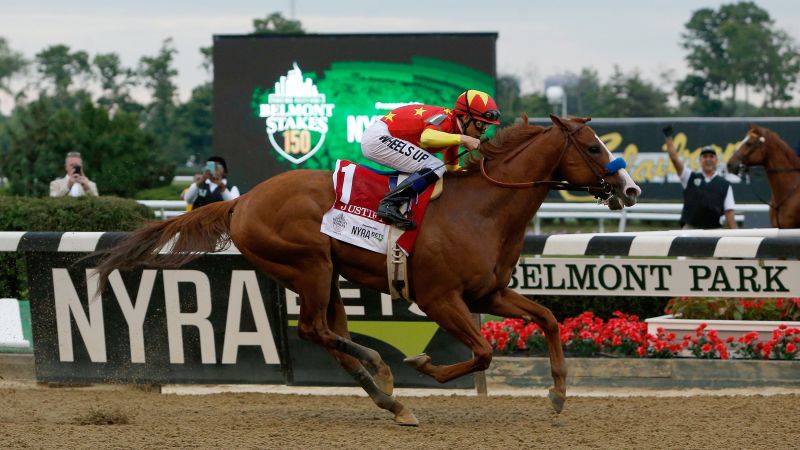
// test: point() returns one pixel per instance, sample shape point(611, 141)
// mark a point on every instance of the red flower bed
point(625, 335)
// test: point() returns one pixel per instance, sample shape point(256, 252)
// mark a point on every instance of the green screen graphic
point(301, 102)
point(312, 120)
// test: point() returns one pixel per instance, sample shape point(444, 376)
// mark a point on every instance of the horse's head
point(751, 151)
point(587, 161)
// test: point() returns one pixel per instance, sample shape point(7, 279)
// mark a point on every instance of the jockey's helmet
point(478, 105)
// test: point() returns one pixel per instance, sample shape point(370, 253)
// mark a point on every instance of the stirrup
point(390, 212)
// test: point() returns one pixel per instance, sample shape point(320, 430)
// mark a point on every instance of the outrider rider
point(405, 138)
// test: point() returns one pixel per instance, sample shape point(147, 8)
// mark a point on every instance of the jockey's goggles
point(488, 116)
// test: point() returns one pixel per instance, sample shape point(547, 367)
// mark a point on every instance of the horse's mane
point(776, 139)
point(504, 141)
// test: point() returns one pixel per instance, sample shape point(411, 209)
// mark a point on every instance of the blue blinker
point(615, 165)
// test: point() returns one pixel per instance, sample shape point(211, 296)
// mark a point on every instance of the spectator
point(74, 183)
point(197, 178)
point(213, 186)
point(707, 195)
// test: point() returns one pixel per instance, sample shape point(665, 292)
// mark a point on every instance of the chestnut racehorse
point(763, 147)
point(463, 260)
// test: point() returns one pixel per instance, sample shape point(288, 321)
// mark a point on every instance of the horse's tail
point(171, 243)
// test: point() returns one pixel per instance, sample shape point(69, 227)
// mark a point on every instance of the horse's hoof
point(557, 399)
point(418, 361)
point(406, 418)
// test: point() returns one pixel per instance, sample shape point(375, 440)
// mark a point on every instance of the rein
point(603, 192)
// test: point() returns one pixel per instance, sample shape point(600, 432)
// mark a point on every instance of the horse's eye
point(594, 149)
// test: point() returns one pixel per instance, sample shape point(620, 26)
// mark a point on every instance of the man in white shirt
point(74, 183)
point(707, 195)
point(213, 187)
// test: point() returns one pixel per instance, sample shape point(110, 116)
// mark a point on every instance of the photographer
point(74, 183)
point(213, 186)
point(707, 195)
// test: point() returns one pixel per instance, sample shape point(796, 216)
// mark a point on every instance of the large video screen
point(302, 102)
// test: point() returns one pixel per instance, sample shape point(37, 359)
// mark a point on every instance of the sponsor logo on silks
point(367, 234)
point(296, 116)
point(339, 222)
point(697, 182)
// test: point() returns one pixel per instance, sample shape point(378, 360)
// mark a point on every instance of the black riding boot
point(389, 207)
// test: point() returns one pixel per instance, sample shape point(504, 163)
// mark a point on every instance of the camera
point(76, 169)
point(211, 167)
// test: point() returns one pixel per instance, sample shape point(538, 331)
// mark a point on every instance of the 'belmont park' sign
point(657, 277)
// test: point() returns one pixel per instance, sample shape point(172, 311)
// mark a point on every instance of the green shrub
point(564, 307)
point(715, 308)
point(170, 192)
point(71, 214)
point(60, 214)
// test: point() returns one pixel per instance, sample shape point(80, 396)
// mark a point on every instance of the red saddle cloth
point(353, 217)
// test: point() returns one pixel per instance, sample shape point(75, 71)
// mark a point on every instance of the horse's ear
point(559, 121)
point(582, 119)
point(524, 118)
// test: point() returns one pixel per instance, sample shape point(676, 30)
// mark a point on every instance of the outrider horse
point(763, 147)
point(467, 248)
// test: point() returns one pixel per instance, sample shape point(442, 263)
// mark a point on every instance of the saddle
point(353, 218)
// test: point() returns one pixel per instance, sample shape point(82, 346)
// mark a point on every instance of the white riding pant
point(378, 145)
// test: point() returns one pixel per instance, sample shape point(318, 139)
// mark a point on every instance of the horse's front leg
point(450, 313)
point(507, 303)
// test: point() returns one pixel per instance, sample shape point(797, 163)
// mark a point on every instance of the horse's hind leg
point(511, 304)
point(315, 288)
point(337, 320)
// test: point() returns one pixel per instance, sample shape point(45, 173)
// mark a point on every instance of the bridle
point(603, 192)
point(744, 169)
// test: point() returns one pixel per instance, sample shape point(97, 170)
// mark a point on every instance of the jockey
point(405, 138)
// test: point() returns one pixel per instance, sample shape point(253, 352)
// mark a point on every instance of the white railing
point(165, 209)
point(667, 212)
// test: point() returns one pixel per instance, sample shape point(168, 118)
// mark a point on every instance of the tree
point(696, 97)
point(631, 96)
point(116, 82)
point(507, 97)
point(157, 73)
point(512, 103)
point(196, 123)
point(39, 138)
point(275, 23)
point(118, 155)
point(59, 67)
point(584, 94)
point(781, 66)
point(11, 63)
point(738, 46)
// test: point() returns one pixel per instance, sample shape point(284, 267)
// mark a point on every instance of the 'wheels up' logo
point(296, 116)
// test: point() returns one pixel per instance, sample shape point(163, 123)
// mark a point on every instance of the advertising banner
point(657, 277)
point(214, 320)
point(303, 101)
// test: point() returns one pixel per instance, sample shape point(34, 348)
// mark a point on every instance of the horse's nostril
point(632, 192)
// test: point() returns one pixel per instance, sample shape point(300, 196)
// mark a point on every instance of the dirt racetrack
point(42, 417)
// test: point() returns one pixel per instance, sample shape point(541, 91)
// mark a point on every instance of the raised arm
point(673, 155)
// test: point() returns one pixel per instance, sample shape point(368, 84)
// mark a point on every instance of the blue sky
point(536, 39)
